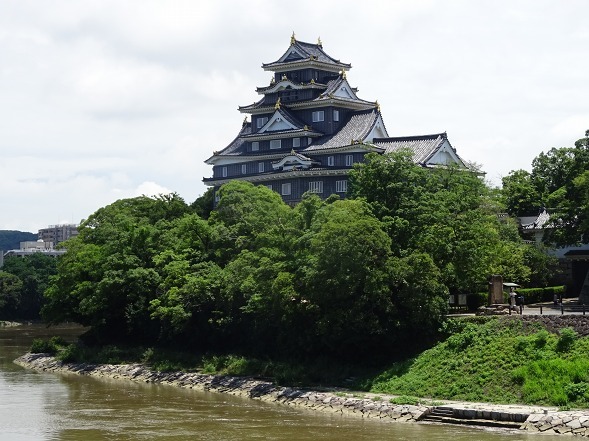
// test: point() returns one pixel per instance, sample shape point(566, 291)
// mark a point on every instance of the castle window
point(261, 121)
point(336, 115)
point(286, 189)
point(330, 161)
point(260, 167)
point(296, 142)
point(316, 187)
point(255, 146)
point(275, 144)
point(269, 186)
point(243, 169)
point(349, 160)
point(318, 115)
point(224, 172)
point(341, 186)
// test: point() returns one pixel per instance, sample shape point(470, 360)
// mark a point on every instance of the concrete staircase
point(449, 415)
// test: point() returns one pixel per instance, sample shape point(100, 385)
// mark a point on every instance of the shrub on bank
point(51, 346)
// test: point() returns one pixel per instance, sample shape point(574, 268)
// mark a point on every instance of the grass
point(500, 361)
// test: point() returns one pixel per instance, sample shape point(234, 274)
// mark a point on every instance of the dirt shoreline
point(528, 418)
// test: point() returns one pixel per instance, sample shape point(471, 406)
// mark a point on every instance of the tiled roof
point(291, 119)
point(537, 223)
point(296, 154)
point(290, 84)
point(308, 50)
point(263, 102)
point(356, 129)
point(332, 85)
point(423, 147)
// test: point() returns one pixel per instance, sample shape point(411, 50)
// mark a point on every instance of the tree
point(245, 215)
point(108, 276)
point(10, 293)
point(34, 271)
point(203, 205)
point(447, 213)
point(557, 182)
point(520, 194)
point(345, 278)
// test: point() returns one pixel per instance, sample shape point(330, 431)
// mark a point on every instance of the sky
point(109, 99)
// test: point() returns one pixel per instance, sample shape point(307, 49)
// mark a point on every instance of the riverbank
point(375, 406)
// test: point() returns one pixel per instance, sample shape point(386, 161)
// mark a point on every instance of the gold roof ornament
point(312, 81)
point(245, 121)
point(377, 106)
point(319, 42)
point(344, 74)
point(293, 40)
point(284, 77)
point(272, 81)
point(277, 105)
point(306, 128)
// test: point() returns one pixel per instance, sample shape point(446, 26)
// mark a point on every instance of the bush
point(51, 346)
point(567, 339)
point(405, 399)
point(537, 295)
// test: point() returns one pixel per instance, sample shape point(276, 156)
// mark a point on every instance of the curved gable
point(276, 123)
point(444, 155)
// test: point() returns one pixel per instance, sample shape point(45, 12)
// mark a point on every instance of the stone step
point(470, 422)
point(445, 415)
point(442, 411)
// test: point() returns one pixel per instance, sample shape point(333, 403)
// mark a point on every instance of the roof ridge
point(412, 137)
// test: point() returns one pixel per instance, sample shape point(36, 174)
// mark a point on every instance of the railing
point(569, 309)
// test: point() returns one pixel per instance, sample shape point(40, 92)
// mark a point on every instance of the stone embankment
point(529, 418)
point(242, 386)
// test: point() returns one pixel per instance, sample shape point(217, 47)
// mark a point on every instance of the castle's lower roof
point(422, 147)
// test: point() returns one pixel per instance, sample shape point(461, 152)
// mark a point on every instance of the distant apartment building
point(58, 233)
point(30, 247)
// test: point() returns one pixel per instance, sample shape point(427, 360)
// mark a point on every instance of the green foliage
point(108, 276)
point(10, 293)
point(347, 279)
point(449, 214)
point(498, 360)
point(520, 195)
point(566, 340)
point(50, 346)
point(203, 205)
point(559, 180)
point(538, 295)
point(34, 272)
point(406, 399)
point(554, 381)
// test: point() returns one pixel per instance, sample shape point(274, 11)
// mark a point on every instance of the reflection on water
point(40, 406)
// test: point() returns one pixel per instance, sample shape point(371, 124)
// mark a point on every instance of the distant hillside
point(10, 240)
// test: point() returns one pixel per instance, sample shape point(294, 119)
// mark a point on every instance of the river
point(43, 406)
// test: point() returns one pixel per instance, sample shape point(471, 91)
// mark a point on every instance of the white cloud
point(149, 188)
